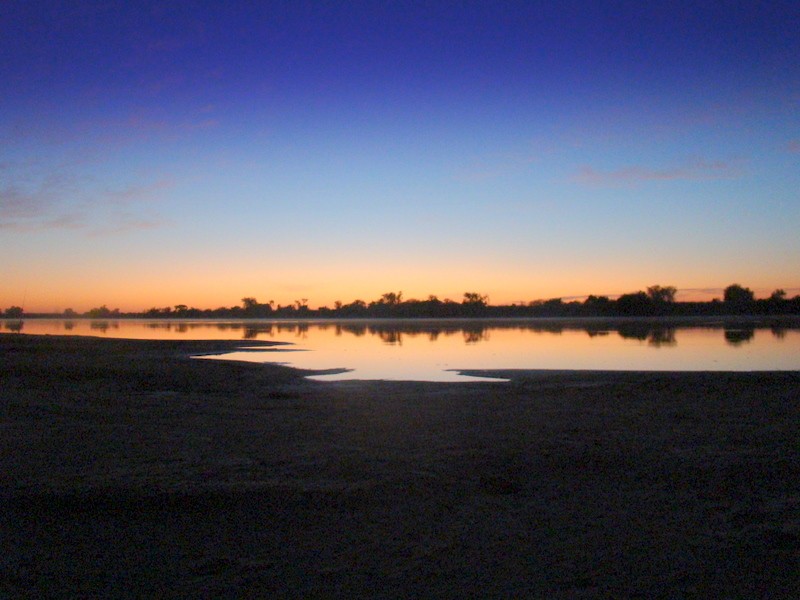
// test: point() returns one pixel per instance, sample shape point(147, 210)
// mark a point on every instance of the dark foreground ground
point(131, 470)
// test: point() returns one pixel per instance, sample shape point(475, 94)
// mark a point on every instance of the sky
point(154, 154)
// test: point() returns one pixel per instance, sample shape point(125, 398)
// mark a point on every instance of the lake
point(435, 350)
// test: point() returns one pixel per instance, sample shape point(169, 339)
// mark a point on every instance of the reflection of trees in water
point(475, 335)
point(393, 333)
point(634, 331)
point(69, 325)
point(299, 330)
point(252, 331)
point(656, 333)
point(14, 326)
point(597, 332)
point(393, 337)
point(662, 337)
point(357, 330)
point(549, 328)
point(778, 331)
point(655, 336)
point(737, 337)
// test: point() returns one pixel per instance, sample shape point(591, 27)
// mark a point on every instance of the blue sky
point(156, 154)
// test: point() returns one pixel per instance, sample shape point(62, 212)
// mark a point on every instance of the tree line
point(656, 300)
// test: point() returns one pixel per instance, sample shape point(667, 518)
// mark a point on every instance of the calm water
point(433, 350)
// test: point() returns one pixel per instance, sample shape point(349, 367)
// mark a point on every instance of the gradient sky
point(160, 153)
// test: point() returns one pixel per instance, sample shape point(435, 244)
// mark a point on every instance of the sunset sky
point(160, 153)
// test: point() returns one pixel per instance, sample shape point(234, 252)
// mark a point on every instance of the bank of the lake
point(130, 469)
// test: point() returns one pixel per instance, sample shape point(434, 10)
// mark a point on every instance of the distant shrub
point(14, 312)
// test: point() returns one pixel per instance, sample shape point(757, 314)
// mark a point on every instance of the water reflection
point(103, 326)
point(634, 332)
point(391, 337)
point(14, 326)
point(417, 348)
point(662, 338)
point(779, 331)
point(597, 332)
point(737, 337)
point(655, 334)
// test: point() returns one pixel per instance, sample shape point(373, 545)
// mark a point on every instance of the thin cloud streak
point(111, 132)
point(698, 171)
point(137, 193)
point(65, 221)
point(59, 202)
point(481, 171)
point(18, 203)
point(125, 224)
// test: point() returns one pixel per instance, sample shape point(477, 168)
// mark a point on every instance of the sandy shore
point(129, 469)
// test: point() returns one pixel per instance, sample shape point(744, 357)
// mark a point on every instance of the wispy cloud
point(146, 128)
point(124, 223)
point(20, 199)
point(135, 193)
point(65, 221)
point(492, 168)
point(66, 203)
point(108, 133)
point(635, 174)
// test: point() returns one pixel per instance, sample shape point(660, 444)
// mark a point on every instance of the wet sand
point(130, 469)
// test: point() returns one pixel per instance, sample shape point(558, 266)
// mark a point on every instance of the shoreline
point(789, 319)
point(130, 469)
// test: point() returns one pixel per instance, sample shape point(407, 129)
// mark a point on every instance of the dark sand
point(129, 469)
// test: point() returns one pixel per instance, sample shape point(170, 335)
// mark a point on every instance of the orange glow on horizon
point(212, 285)
point(144, 299)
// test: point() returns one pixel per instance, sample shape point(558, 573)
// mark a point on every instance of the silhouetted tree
point(660, 294)
point(638, 303)
point(475, 299)
point(102, 312)
point(778, 295)
point(252, 309)
point(597, 305)
point(391, 298)
point(356, 308)
point(737, 297)
point(14, 312)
